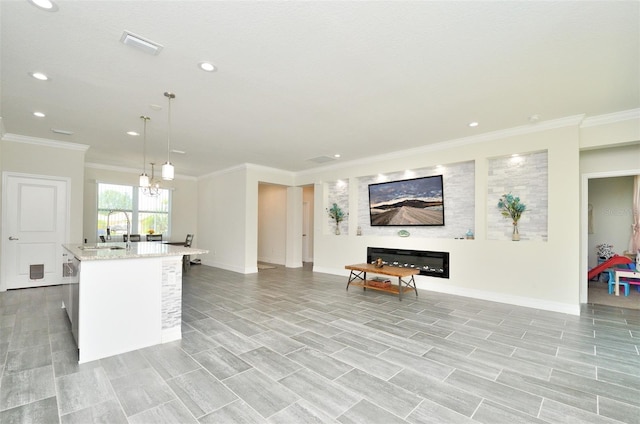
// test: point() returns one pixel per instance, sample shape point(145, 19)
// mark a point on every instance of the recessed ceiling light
point(133, 133)
point(206, 66)
point(39, 114)
point(47, 5)
point(155, 107)
point(473, 124)
point(180, 152)
point(39, 76)
point(337, 155)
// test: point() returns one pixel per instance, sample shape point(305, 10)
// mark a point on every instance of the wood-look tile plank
point(497, 392)
point(200, 392)
point(331, 398)
point(365, 412)
point(262, 393)
point(83, 389)
point(142, 390)
point(221, 363)
point(236, 412)
point(396, 399)
point(40, 411)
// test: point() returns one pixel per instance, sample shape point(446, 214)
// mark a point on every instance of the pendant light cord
point(170, 96)
point(144, 144)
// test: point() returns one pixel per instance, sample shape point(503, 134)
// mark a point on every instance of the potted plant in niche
point(511, 207)
point(336, 213)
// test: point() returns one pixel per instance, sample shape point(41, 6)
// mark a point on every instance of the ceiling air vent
point(322, 159)
point(63, 132)
point(141, 43)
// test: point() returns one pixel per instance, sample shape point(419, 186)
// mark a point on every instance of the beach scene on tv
point(407, 203)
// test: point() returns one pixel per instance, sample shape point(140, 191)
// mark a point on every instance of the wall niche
point(524, 176)
point(458, 194)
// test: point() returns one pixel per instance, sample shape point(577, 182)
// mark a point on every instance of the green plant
point(510, 207)
point(336, 213)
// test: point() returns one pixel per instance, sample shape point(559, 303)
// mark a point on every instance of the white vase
point(337, 230)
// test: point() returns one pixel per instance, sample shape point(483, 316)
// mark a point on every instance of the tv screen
point(414, 202)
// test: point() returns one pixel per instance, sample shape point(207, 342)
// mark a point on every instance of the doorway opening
point(607, 212)
point(307, 225)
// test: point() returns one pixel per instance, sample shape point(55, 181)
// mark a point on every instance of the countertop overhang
point(106, 251)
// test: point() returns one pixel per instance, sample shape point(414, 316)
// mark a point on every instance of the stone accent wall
point(459, 201)
point(525, 176)
point(171, 292)
point(339, 194)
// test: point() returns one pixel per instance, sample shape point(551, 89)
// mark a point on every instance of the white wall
point(612, 159)
point(612, 201)
point(184, 200)
point(228, 215)
point(610, 130)
point(272, 223)
point(58, 160)
point(307, 197)
point(222, 224)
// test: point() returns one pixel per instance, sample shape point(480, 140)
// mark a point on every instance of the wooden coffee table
point(406, 282)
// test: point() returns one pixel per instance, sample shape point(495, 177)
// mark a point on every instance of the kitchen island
point(119, 299)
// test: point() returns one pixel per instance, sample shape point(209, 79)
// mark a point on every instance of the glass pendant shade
point(167, 171)
point(144, 180)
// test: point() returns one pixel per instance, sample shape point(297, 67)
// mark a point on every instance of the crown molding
point(16, 138)
point(250, 167)
point(262, 168)
point(114, 168)
point(569, 121)
point(229, 170)
point(611, 118)
point(124, 169)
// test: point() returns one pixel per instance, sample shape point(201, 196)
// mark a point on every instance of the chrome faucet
point(127, 244)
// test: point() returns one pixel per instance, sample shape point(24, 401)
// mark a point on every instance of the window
point(147, 214)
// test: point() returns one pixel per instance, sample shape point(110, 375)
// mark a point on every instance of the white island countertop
point(110, 251)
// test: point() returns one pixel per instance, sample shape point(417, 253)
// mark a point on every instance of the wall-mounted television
point(415, 202)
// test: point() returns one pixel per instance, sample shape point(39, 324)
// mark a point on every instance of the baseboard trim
point(527, 302)
point(247, 270)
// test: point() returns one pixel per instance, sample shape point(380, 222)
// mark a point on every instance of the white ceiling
point(302, 79)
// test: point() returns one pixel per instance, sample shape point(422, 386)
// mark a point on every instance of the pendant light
point(144, 178)
point(167, 168)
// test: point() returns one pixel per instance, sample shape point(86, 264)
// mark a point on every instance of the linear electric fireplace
point(434, 264)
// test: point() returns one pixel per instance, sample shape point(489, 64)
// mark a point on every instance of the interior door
point(34, 226)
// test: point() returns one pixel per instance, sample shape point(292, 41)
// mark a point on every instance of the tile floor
point(291, 346)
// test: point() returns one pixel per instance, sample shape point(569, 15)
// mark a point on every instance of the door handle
point(13, 238)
